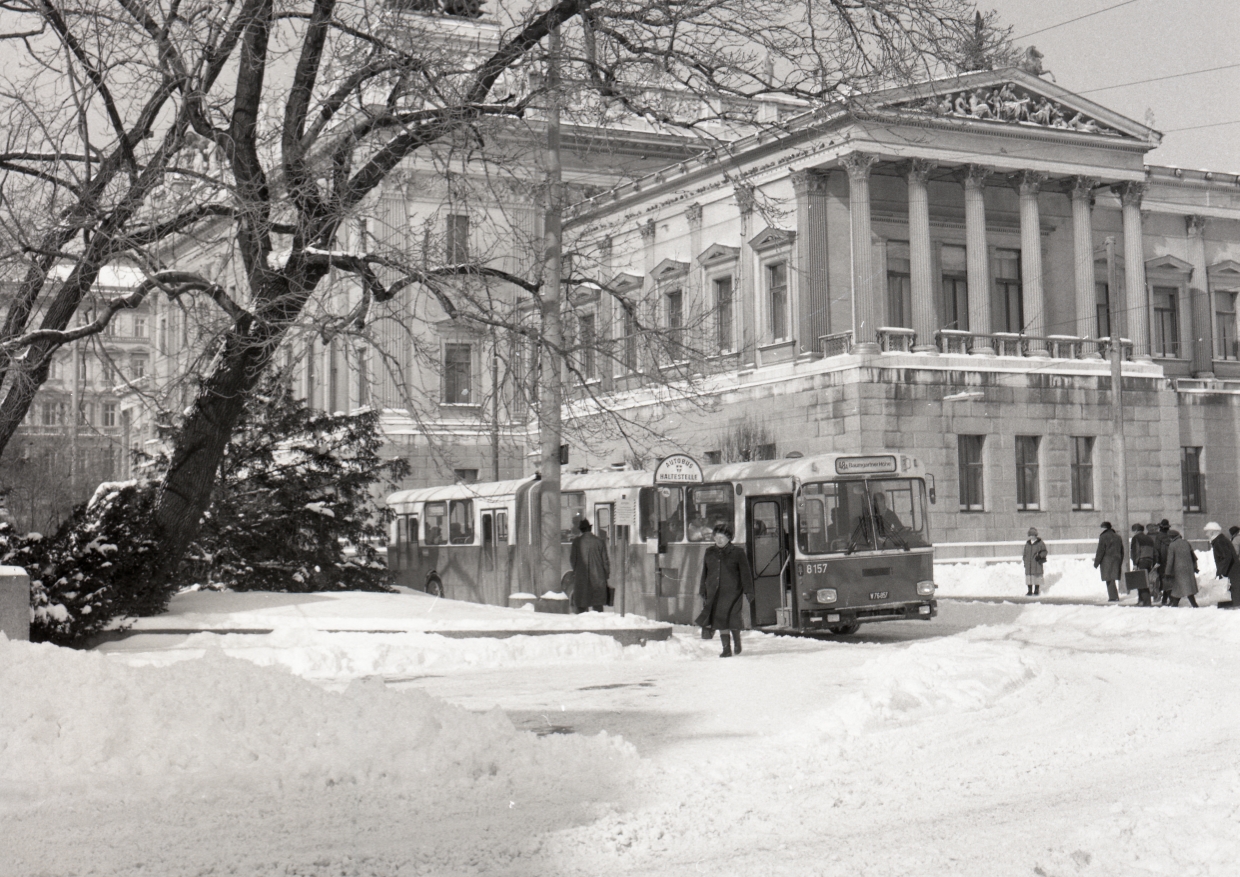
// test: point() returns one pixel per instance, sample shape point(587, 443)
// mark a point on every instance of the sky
point(1125, 43)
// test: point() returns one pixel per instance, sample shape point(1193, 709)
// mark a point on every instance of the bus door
point(491, 573)
point(769, 522)
point(604, 529)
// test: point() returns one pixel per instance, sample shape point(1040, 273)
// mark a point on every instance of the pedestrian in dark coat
point(1109, 560)
point(1226, 562)
point(1162, 538)
point(1234, 533)
point(1181, 569)
point(1143, 553)
point(1034, 557)
point(591, 570)
point(725, 580)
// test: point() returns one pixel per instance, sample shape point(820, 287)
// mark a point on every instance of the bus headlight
point(925, 589)
point(827, 595)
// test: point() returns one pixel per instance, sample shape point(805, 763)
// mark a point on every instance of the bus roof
point(481, 490)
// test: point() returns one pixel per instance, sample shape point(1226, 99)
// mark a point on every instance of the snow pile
point(91, 722)
point(325, 656)
point(1071, 577)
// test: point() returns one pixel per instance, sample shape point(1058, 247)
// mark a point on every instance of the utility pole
point(1117, 389)
point(551, 394)
point(74, 414)
point(494, 408)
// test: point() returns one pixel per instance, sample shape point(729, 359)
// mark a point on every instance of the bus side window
point(436, 523)
point(501, 528)
point(412, 531)
point(461, 518)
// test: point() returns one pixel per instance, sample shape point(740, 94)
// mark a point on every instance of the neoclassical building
point(942, 268)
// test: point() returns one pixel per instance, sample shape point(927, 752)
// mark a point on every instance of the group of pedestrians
point(1166, 558)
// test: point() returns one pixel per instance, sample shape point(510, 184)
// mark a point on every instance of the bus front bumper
point(825, 619)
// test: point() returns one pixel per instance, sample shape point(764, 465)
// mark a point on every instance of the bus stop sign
point(678, 469)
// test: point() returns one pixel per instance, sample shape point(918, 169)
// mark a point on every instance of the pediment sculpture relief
point(1010, 103)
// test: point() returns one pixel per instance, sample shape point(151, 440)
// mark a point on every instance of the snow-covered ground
point(998, 739)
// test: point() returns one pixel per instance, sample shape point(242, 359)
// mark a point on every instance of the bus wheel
point(434, 586)
point(845, 629)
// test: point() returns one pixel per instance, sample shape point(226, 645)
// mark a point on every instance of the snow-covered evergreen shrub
point(293, 509)
point(94, 570)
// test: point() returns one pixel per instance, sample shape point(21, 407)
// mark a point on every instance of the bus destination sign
point(865, 465)
point(678, 469)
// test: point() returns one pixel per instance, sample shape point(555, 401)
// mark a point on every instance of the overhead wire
point(1078, 18)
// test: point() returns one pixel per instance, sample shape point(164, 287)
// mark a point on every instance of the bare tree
point(163, 133)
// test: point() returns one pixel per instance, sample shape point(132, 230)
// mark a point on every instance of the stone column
point(978, 256)
point(1199, 292)
point(746, 294)
point(925, 319)
point(1032, 293)
point(1136, 303)
point(1081, 193)
point(813, 307)
point(867, 300)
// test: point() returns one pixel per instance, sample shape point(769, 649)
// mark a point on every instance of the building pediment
point(624, 282)
point(1009, 97)
point(717, 253)
point(1168, 263)
point(668, 269)
point(1225, 273)
point(771, 238)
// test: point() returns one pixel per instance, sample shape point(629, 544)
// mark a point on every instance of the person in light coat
point(1181, 570)
point(1226, 563)
point(1109, 560)
point(1034, 556)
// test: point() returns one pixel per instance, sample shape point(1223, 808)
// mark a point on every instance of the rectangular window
point(465, 476)
point(723, 313)
point(955, 287)
point(1082, 472)
point(461, 522)
point(49, 413)
point(969, 456)
point(137, 367)
point(572, 510)
point(139, 327)
point(109, 414)
point(1102, 305)
point(1192, 480)
point(161, 342)
point(714, 458)
point(457, 374)
point(586, 360)
point(1010, 311)
point(899, 285)
point(674, 321)
point(82, 369)
point(1225, 326)
point(1166, 328)
point(777, 298)
point(708, 505)
point(630, 341)
point(86, 414)
point(1027, 494)
point(456, 248)
point(436, 517)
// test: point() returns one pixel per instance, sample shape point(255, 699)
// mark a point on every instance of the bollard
point(14, 602)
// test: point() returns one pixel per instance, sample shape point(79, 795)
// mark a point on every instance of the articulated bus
point(833, 540)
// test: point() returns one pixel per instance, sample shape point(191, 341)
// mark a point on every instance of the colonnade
point(1129, 315)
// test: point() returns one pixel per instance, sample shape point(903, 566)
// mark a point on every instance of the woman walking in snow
point(1181, 572)
point(1034, 556)
point(725, 580)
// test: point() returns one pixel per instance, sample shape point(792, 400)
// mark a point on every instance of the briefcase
point(1137, 580)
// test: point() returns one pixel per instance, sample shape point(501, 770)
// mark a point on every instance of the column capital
point(918, 169)
point(1081, 187)
point(1130, 194)
point(744, 197)
point(647, 231)
point(809, 182)
point(693, 213)
point(858, 164)
point(974, 175)
point(1195, 225)
point(1028, 182)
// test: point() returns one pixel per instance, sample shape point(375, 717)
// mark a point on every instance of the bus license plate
point(878, 595)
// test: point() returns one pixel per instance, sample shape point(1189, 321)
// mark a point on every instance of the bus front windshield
point(841, 517)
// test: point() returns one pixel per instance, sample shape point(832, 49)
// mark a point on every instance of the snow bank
point(1072, 578)
point(325, 656)
point(85, 721)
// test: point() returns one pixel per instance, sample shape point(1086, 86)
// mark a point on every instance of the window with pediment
point(1224, 280)
point(1168, 279)
point(774, 249)
point(719, 264)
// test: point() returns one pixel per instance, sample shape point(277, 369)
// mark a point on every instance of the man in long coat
point(1181, 569)
point(1162, 539)
point(1226, 562)
point(591, 570)
point(725, 580)
point(1109, 560)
